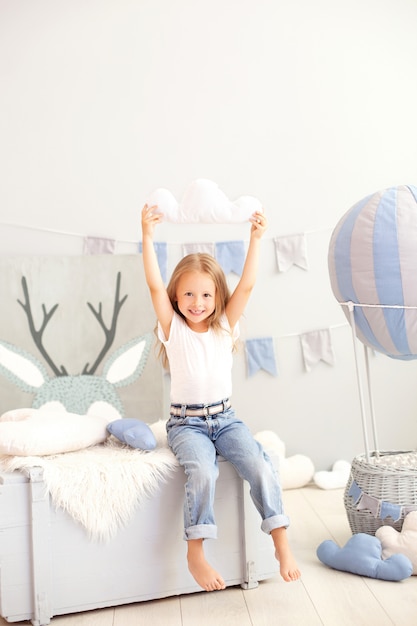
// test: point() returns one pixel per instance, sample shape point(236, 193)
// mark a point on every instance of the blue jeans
point(196, 442)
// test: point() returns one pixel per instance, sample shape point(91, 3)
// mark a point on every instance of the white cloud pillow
point(295, 471)
point(33, 432)
point(203, 202)
point(334, 479)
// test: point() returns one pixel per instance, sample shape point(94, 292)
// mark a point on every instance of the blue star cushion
point(362, 554)
point(133, 432)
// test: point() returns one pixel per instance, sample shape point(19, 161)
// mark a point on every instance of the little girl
point(198, 324)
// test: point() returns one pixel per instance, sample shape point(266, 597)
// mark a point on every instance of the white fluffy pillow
point(33, 432)
point(203, 202)
point(334, 479)
point(295, 471)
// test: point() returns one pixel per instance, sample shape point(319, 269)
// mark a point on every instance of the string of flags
point(379, 508)
point(290, 250)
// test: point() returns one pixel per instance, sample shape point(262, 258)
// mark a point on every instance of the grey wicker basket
point(385, 482)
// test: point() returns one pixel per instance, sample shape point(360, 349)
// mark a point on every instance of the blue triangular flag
point(231, 256)
point(390, 510)
point(355, 491)
point(161, 250)
point(260, 355)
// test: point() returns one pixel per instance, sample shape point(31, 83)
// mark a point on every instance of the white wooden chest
point(48, 565)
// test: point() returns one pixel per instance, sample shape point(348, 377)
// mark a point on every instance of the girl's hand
point(259, 224)
point(150, 218)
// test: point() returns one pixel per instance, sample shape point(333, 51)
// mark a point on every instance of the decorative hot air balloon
point(373, 264)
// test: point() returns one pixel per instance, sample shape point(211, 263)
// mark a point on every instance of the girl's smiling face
point(196, 299)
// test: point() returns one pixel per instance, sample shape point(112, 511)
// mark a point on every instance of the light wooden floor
point(322, 596)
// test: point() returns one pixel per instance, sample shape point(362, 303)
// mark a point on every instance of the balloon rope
point(377, 306)
point(371, 400)
point(358, 378)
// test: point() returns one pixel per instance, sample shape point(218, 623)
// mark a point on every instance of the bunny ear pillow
point(203, 202)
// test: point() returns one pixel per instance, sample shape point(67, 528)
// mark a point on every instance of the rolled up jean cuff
point(201, 531)
point(276, 521)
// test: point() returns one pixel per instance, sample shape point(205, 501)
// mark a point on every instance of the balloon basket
point(381, 491)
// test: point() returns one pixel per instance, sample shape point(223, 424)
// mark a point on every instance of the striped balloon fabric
point(373, 264)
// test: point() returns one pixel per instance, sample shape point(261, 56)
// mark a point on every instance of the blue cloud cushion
point(133, 432)
point(362, 554)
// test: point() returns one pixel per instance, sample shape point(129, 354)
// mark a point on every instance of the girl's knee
point(201, 471)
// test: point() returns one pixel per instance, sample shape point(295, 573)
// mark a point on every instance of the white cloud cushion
point(33, 432)
point(203, 202)
point(404, 542)
point(295, 471)
point(334, 479)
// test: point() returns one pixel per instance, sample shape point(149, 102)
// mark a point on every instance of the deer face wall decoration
point(87, 392)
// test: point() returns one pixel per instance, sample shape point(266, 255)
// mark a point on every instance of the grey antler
point(108, 332)
point(37, 334)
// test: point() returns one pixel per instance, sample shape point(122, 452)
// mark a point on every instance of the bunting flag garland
point(99, 245)
point(193, 248)
point(161, 250)
point(379, 508)
point(317, 346)
point(291, 250)
point(260, 355)
point(231, 256)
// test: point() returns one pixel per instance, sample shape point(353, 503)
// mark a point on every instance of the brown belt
point(205, 411)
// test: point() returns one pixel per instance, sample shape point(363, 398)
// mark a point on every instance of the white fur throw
point(101, 486)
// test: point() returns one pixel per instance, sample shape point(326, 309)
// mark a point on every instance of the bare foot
point(201, 570)
point(287, 564)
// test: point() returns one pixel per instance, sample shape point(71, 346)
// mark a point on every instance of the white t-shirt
point(200, 363)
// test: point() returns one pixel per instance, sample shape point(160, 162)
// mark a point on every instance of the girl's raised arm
point(240, 295)
point(161, 302)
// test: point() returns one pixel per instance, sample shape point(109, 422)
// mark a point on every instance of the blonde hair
point(204, 264)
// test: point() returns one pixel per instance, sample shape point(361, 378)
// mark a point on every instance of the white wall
point(309, 106)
